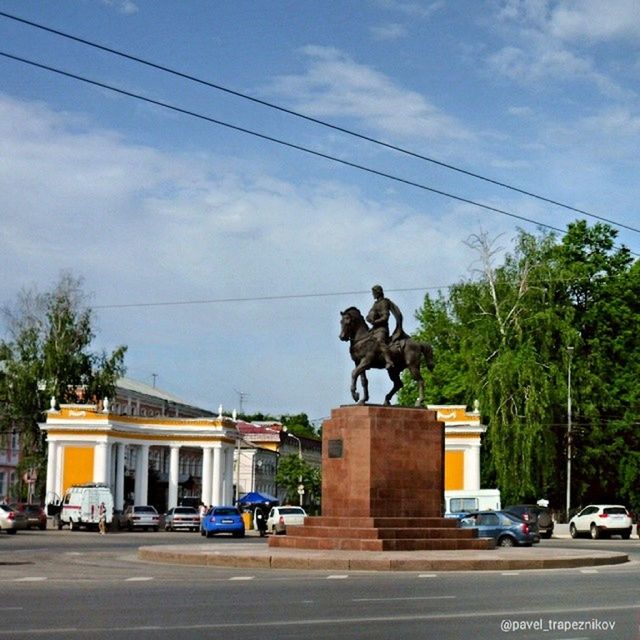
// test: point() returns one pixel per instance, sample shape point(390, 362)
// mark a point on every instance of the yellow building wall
point(78, 466)
point(453, 470)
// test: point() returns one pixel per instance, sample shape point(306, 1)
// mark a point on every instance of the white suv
point(599, 520)
point(280, 517)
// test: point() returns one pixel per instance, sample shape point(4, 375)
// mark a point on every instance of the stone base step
point(381, 533)
point(358, 544)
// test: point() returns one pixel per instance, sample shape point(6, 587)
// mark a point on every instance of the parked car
point(181, 518)
point(141, 517)
point(507, 529)
point(11, 520)
point(36, 517)
point(600, 520)
point(280, 517)
point(222, 520)
point(539, 518)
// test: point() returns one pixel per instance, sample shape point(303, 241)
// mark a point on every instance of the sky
point(222, 259)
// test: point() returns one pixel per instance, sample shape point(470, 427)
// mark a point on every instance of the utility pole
point(569, 435)
point(241, 397)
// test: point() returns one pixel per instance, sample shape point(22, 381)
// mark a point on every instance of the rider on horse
point(378, 318)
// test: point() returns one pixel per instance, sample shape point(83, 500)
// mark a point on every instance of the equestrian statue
point(373, 347)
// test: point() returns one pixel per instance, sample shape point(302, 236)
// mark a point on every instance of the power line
point(279, 141)
point(323, 123)
point(176, 303)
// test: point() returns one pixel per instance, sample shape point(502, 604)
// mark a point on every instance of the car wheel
point(573, 531)
point(626, 534)
point(42, 527)
point(202, 532)
point(209, 534)
point(156, 528)
point(12, 531)
point(595, 532)
point(72, 525)
point(167, 527)
point(129, 526)
point(60, 525)
point(547, 534)
point(506, 541)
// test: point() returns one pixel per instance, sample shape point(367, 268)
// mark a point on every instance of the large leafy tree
point(504, 337)
point(47, 353)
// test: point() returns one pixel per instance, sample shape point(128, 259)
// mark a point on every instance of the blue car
point(507, 529)
point(222, 520)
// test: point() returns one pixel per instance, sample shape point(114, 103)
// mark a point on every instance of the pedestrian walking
point(102, 519)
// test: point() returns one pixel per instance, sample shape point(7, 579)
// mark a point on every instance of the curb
point(495, 560)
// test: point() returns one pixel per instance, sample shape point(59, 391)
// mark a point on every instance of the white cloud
point(546, 42)
point(122, 6)
point(141, 225)
point(336, 85)
point(596, 21)
point(386, 32)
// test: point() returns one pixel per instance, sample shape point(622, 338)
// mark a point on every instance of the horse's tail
point(427, 353)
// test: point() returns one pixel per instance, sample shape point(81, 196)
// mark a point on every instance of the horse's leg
point(355, 374)
point(364, 383)
point(394, 374)
point(414, 369)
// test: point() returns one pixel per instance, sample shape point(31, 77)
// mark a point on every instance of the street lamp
point(569, 436)
point(287, 434)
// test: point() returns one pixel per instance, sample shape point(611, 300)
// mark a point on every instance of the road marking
point(31, 579)
point(139, 579)
point(588, 571)
point(242, 578)
point(404, 598)
point(427, 575)
point(337, 577)
point(510, 573)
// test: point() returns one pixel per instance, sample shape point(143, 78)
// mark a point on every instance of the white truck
point(80, 505)
point(465, 500)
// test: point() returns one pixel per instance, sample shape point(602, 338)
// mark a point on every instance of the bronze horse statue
point(365, 351)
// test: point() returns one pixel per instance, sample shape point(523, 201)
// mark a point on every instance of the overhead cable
point(323, 123)
point(279, 141)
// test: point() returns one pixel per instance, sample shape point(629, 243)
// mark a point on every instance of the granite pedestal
point(382, 485)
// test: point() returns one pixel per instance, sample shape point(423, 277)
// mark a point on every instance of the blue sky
point(149, 205)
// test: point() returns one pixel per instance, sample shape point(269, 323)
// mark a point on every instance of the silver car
point(181, 518)
point(11, 519)
point(141, 517)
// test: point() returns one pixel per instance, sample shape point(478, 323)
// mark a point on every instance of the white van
point(466, 500)
point(81, 505)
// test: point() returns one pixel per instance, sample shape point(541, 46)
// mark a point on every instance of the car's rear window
point(190, 510)
point(288, 511)
point(615, 511)
point(145, 510)
point(226, 511)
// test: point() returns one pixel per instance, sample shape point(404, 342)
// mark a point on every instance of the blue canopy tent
point(255, 498)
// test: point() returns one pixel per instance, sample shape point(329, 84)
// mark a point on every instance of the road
point(62, 584)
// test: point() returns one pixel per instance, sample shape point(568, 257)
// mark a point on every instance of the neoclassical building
point(194, 457)
point(86, 444)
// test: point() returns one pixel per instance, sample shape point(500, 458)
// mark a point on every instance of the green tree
point(293, 471)
point(503, 337)
point(47, 354)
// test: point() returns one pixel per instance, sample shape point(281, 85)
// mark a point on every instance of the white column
point(216, 481)
point(472, 467)
point(142, 473)
point(100, 462)
point(174, 472)
point(206, 475)
point(59, 467)
point(228, 476)
point(52, 467)
point(119, 483)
